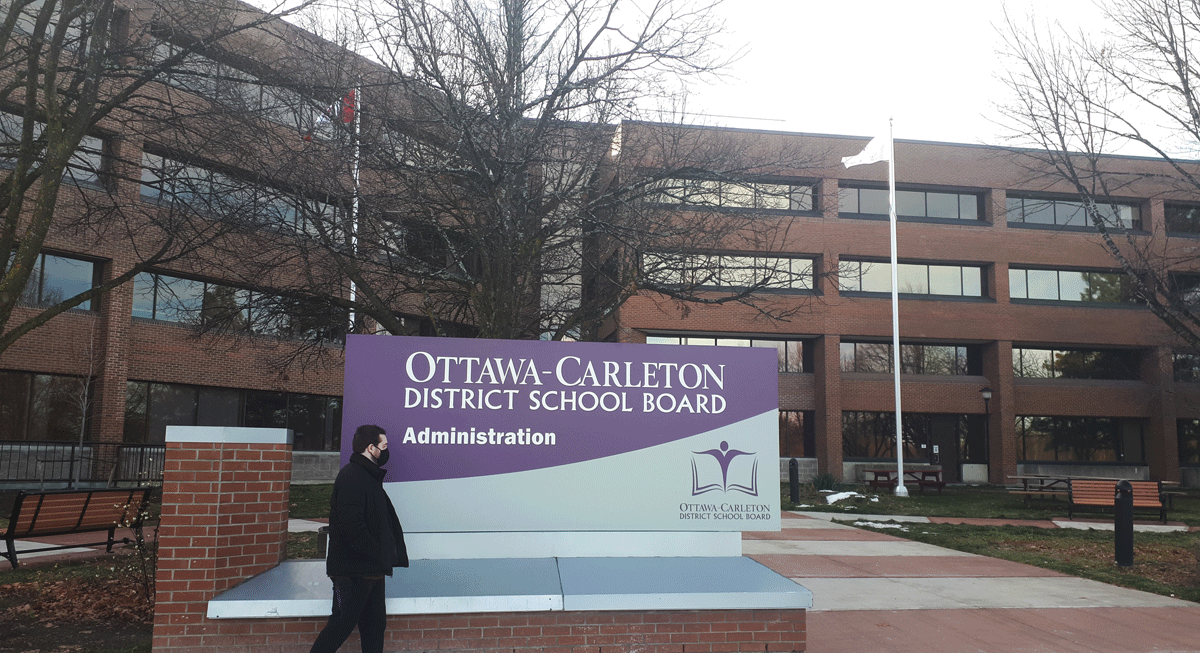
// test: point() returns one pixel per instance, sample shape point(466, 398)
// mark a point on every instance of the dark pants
point(356, 602)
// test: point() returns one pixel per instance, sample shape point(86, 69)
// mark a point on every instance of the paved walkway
point(875, 592)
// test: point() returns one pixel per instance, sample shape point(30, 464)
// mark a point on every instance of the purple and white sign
point(491, 435)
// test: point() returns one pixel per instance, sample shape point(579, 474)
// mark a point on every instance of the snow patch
point(834, 498)
point(875, 524)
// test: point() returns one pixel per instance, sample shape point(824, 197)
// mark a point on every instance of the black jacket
point(365, 537)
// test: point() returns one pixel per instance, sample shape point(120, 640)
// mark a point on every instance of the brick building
point(1003, 287)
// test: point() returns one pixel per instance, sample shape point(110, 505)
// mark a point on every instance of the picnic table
point(886, 477)
point(1039, 484)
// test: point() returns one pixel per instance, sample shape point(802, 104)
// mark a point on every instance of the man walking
point(365, 543)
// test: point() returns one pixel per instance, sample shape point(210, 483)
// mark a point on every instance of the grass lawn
point(1163, 563)
point(966, 501)
point(310, 501)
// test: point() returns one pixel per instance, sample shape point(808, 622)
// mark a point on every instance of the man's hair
point(365, 436)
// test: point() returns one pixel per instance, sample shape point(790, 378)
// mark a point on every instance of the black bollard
point(1123, 524)
point(794, 480)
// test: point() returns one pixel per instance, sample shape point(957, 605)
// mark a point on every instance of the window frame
point(908, 195)
point(1018, 278)
point(38, 277)
point(793, 356)
point(87, 166)
point(1068, 213)
point(728, 195)
point(209, 403)
point(1171, 218)
point(857, 276)
point(1064, 452)
point(234, 87)
point(194, 187)
point(913, 356)
point(715, 267)
point(204, 308)
point(1051, 362)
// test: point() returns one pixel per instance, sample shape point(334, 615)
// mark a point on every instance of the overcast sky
point(845, 67)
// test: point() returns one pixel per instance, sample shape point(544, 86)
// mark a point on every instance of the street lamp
point(986, 393)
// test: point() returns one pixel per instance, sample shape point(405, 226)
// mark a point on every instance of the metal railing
point(45, 464)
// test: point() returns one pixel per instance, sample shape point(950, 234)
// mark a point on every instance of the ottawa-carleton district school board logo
point(718, 469)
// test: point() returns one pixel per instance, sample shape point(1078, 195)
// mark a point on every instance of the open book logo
point(722, 469)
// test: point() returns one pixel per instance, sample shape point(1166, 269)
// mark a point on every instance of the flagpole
point(901, 491)
point(354, 201)
point(878, 150)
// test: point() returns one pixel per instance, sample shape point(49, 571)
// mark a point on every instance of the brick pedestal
point(224, 519)
point(673, 631)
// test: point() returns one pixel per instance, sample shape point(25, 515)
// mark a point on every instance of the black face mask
point(384, 454)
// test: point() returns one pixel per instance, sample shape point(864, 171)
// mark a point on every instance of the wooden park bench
point(63, 512)
point(1147, 496)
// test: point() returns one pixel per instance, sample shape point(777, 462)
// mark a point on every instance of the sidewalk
point(876, 592)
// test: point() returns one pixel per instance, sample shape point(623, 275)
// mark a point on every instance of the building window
point(225, 308)
point(85, 167)
point(692, 271)
point(910, 203)
point(1187, 368)
point(1104, 364)
point(1185, 288)
point(29, 12)
point(58, 278)
point(1188, 432)
point(151, 407)
point(1070, 286)
point(220, 196)
point(914, 358)
point(913, 278)
point(431, 247)
point(767, 196)
point(1182, 218)
point(797, 437)
point(872, 436)
point(242, 92)
point(44, 406)
point(1080, 439)
point(792, 355)
point(170, 299)
point(1035, 211)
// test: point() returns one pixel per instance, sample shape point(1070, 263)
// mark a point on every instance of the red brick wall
point(676, 631)
point(224, 519)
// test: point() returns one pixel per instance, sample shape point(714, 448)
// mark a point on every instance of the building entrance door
point(943, 445)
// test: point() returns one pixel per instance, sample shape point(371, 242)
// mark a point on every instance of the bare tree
point(492, 181)
point(1077, 98)
point(71, 72)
